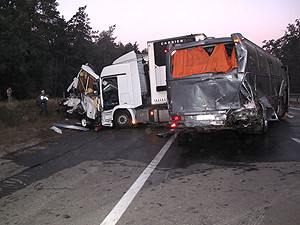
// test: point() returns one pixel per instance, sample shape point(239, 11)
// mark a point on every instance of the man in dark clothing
point(9, 94)
point(43, 100)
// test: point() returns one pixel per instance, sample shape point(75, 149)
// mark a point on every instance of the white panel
point(123, 89)
point(156, 97)
point(160, 73)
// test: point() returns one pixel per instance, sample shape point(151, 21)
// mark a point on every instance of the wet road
point(219, 178)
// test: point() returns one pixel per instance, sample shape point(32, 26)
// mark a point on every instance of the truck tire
point(122, 119)
point(85, 122)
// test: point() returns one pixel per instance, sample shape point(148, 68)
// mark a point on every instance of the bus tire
point(122, 119)
point(282, 106)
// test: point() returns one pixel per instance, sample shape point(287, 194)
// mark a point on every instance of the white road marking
point(116, 213)
point(294, 108)
point(296, 139)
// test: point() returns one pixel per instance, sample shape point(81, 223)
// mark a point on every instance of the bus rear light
point(237, 40)
point(173, 125)
point(166, 50)
point(176, 118)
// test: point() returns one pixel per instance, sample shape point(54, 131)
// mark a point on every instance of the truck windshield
point(218, 58)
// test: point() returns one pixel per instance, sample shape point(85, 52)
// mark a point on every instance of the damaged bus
point(225, 83)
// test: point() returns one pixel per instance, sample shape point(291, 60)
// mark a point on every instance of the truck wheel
point(122, 119)
point(85, 122)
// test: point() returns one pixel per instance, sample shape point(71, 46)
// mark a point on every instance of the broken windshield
point(219, 58)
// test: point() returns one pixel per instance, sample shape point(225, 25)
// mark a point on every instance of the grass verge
point(22, 126)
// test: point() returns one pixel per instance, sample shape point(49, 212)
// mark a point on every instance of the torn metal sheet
point(56, 129)
point(70, 126)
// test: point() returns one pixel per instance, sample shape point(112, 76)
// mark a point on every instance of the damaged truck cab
point(225, 83)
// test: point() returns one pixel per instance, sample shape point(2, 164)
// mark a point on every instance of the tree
point(80, 47)
point(40, 50)
point(287, 49)
point(28, 33)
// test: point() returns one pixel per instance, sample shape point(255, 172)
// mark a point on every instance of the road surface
point(132, 176)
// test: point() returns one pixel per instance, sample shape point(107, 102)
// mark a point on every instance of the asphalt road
point(132, 176)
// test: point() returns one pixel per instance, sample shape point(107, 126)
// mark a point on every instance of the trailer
point(225, 83)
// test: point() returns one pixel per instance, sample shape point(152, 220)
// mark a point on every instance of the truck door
point(110, 93)
point(123, 90)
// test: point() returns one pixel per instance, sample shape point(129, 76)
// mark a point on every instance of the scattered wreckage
point(56, 126)
point(83, 101)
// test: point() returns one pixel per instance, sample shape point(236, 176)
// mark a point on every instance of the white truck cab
point(122, 86)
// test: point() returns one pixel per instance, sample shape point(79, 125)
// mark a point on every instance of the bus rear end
point(208, 88)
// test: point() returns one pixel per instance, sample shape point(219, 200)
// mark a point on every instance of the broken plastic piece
point(70, 126)
point(97, 128)
point(166, 134)
point(56, 129)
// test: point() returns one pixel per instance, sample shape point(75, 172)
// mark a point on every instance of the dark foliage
point(40, 50)
point(287, 49)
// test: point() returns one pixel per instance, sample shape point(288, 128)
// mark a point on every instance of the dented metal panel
point(210, 93)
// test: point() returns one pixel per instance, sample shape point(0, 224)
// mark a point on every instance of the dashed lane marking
point(113, 217)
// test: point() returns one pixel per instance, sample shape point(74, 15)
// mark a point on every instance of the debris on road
point(56, 129)
point(290, 116)
point(97, 128)
point(70, 126)
point(166, 134)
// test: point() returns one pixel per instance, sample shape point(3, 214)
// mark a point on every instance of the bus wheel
point(122, 119)
point(282, 106)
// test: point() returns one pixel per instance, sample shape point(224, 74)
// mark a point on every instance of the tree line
point(287, 49)
point(39, 49)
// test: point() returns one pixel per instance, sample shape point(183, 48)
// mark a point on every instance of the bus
point(225, 83)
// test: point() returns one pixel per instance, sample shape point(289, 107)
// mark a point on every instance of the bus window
point(263, 63)
point(276, 68)
point(161, 47)
point(271, 67)
point(252, 61)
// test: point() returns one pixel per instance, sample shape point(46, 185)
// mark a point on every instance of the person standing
point(43, 100)
point(9, 94)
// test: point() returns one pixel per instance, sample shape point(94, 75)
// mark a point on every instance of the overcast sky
point(142, 21)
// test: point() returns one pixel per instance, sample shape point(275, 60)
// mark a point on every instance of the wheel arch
point(131, 112)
